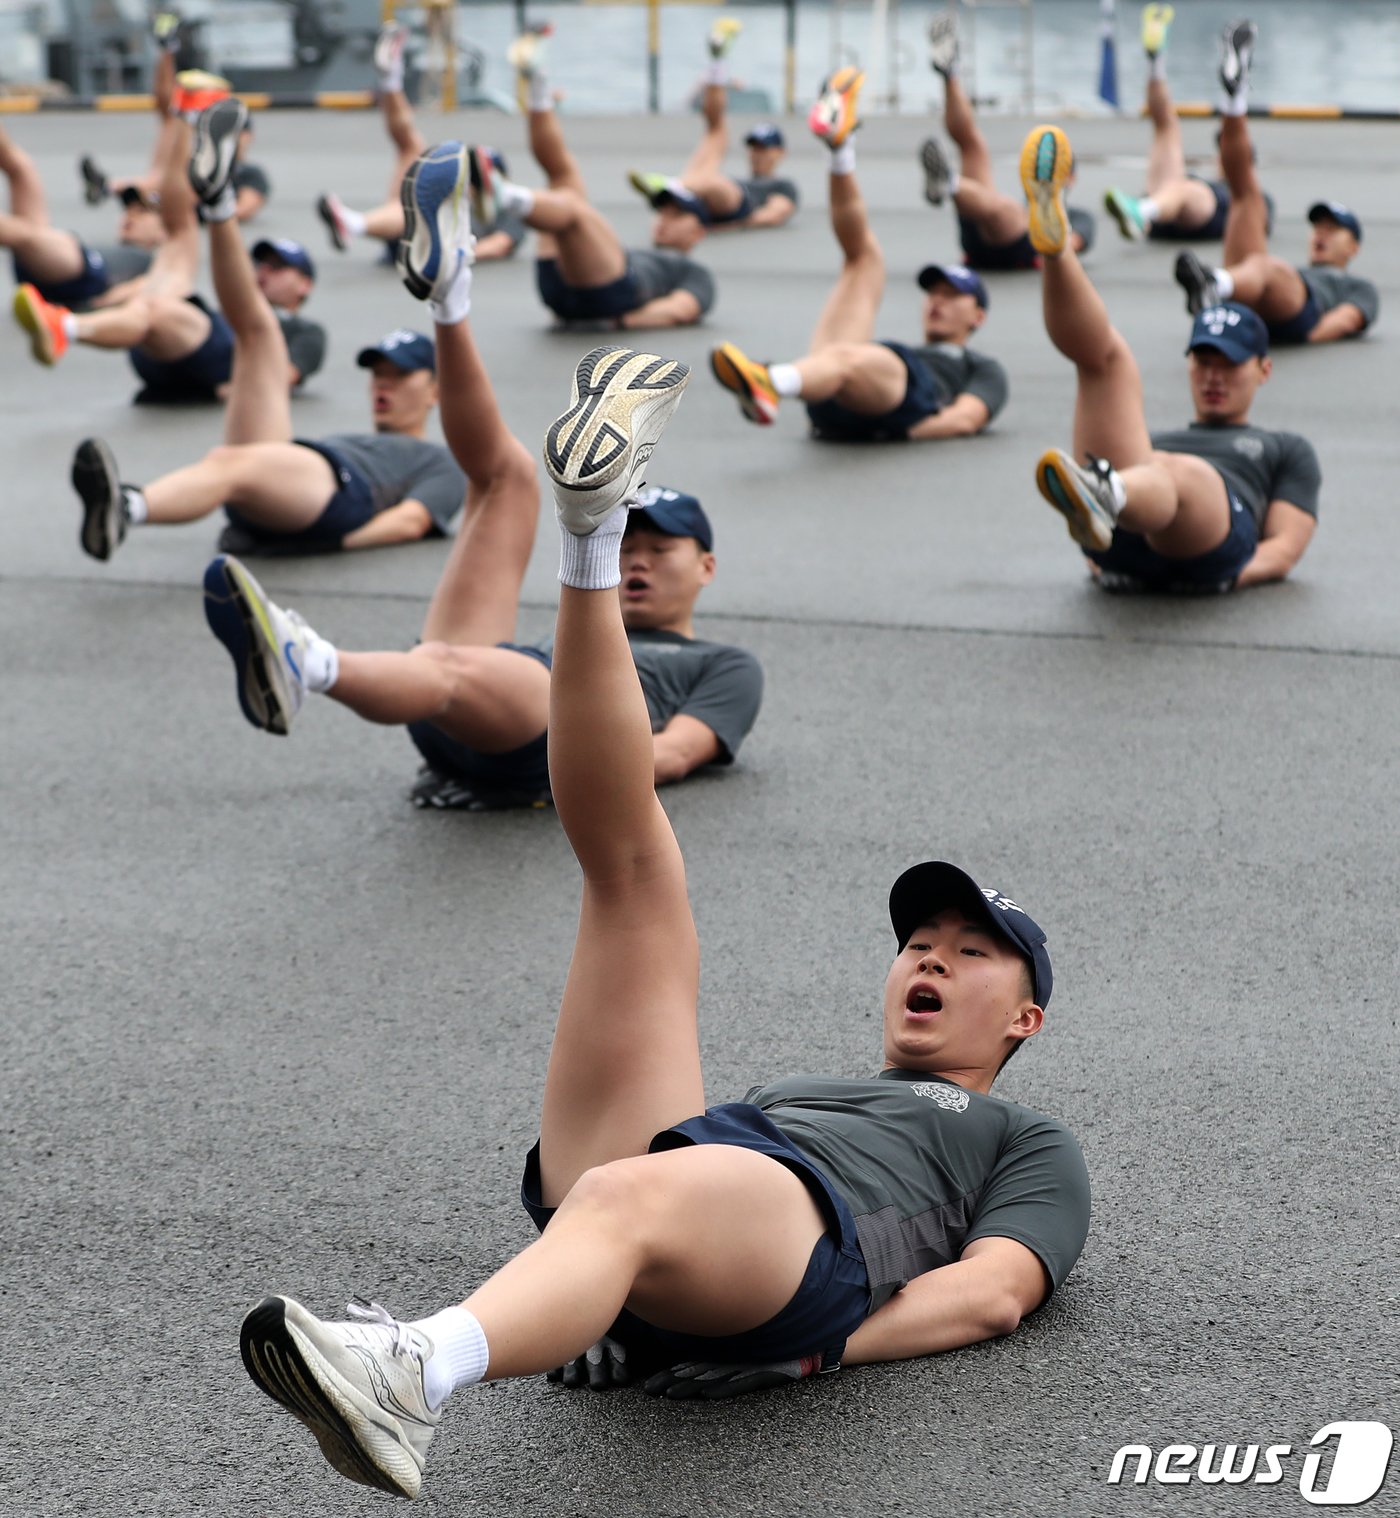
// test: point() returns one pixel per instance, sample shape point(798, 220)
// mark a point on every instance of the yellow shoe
point(1156, 20)
point(737, 372)
point(833, 118)
point(1084, 496)
point(44, 324)
point(722, 35)
point(526, 53)
point(1046, 163)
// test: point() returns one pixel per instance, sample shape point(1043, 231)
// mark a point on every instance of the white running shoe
point(437, 236)
point(267, 645)
point(943, 43)
point(1236, 54)
point(389, 48)
point(527, 53)
point(358, 1386)
point(596, 451)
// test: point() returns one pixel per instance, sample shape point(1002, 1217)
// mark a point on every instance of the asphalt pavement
point(270, 1028)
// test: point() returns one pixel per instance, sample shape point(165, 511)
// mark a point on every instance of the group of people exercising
point(849, 1221)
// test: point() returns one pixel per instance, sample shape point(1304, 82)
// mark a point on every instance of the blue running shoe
point(436, 237)
point(267, 645)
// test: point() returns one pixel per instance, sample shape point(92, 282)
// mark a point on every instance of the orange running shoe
point(43, 322)
point(196, 91)
point(737, 372)
point(833, 118)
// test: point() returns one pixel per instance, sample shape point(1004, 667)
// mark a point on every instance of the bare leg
point(27, 199)
point(722, 196)
point(51, 257)
point(626, 1236)
point(1181, 509)
point(1187, 201)
point(259, 408)
point(850, 310)
point(176, 262)
point(585, 245)
point(999, 218)
point(626, 1057)
point(280, 486)
point(1166, 162)
point(1272, 287)
point(163, 326)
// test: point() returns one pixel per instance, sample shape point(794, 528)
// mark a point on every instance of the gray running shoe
point(1198, 281)
point(943, 43)
point(1082, 495)
point(95, 479)
point(215, 150)
point(358, 1387)
point(937, 171)
point(1236, 54)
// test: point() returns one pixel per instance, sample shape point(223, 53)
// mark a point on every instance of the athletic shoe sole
point(354, 1434)
point(216, 147)
point(936, 172)
point(104, 513)
point(1116, 204)
point(1046, 160)
point(429, 184)
point(596, 451)
point(29, 314)
point(95, 186)
point(727, 365)
point(1058, 480)
point(1237, 51)
point(1194, 278)
point(235, 608)
point(942, 43)
point(326, 211)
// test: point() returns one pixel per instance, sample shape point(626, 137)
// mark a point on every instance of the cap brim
point(1236, 355)
point(663, 522)
point(924, 889)
point(366, 358)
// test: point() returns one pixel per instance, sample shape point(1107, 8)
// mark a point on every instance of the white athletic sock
point(457, 302)
point(69, 322)
point(1224, 282)
point(594, 562)
point(515, 199)
point(539, 97)
point(1236, 104)
point(954, 181)
point(137, 511)
point(785, 380)
point(459, 1356)
point(320, 667)
point(390, 81)
point(354, 222)
point(1120, 491)
point(1156, 67)
point(1148, 208)
point(716, 72)
point(224, 208)
point(843, 159)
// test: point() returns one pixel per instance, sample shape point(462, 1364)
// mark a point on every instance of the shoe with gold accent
point(750, 381)
point(1046, 164)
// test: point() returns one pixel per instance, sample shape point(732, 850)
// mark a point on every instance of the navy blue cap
point(765, 135)
point(132, 195)
point(677, 514)
point(408, 350)
point(965, 281)
point(924, 889)
point(284, 251)
point(1339, 213)
point(1231, 329)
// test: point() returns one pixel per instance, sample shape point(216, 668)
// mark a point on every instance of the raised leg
point(999, 218)
point(51, 257)
point(258, 408)
point(705, 162)
point(850, 310)
point(1166, 161)
point(280, 486)
point(1247, 224)
point(27, 199)
point(163, 326)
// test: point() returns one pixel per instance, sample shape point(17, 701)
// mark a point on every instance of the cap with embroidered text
point(405, 349)
point(283, 250)
point(1234, 330)
point(964, 281)
point(677, 514)
point(924, 889)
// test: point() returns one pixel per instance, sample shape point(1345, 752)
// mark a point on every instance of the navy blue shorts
point(598, 303)
point(198, 375)
point(520, 769)
point(995, 256)
point(1129, 555)
point(73, 293)
point(832, 420)
point(350, 507)
point(830, 1304)
point(743, 210)
point(1297, 327)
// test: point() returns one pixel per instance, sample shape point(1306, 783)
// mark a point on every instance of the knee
point(227, 458)
point(620, 1194)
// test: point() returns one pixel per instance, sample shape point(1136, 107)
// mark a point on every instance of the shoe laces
point(401, 1340)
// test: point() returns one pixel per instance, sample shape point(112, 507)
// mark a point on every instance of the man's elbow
point(1002, 1315)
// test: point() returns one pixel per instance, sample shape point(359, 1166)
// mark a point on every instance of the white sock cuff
point(786, 381)
point(539, 96)
point(1224, 283)
point(224, 208)
point(456, 304)
point(391, 81)
point(1236, 104)
point(843, 159)
point(459, 1356)
point(320, 663)
point(1156, 67)
point(515, 199)
point(137, 511)
point(716, 72)
point(594, 562)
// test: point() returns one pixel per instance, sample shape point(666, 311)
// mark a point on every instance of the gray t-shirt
point(1335, 287)
point(405, 469)
point(961, 371)
point(249, 176)
point(1258, 466)
point(763, 188)
point(658, 271)
point(716, 683)
point(306, 342)
point(927, 1168)
point(508, 223)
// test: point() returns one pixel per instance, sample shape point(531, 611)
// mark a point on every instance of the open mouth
point(635, 585)
point(923, 1000)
